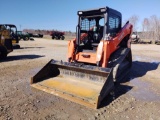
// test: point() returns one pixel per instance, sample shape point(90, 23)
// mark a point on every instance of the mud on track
point(138, 97)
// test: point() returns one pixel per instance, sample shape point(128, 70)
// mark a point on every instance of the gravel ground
point(138, 98)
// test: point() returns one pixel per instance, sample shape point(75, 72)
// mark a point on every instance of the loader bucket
point(86, 85)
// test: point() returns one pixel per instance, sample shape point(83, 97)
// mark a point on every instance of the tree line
point(150, 27)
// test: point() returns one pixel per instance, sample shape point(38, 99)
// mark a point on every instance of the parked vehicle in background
point(135, 37)
point(38, 35)
point(11, 33)
point(8, 39)
point(157, 42)
point(142, 38)
point(35, 35)
point(57, 35)
point(23, 35)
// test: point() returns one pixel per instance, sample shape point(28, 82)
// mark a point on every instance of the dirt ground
point(136, 99)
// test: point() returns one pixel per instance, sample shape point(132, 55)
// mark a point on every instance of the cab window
point(114, 25)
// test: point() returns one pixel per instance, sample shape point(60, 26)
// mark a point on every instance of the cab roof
point(10, 25)
point(97, 11)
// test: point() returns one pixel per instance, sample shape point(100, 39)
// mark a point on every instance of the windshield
point(13, 30)
point(87, 23)
point(91, 28)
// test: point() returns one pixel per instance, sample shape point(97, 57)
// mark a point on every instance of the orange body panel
point(104, 49)
point(91, 59)
point(71, 46)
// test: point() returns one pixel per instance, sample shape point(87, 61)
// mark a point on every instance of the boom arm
point(120, 40)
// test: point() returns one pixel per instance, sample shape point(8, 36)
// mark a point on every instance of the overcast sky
point(62, 14)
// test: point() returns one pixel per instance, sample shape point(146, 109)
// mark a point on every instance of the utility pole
point(20, 27)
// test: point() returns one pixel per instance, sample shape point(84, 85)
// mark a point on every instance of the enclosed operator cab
point(99, 34)
point(99, 24)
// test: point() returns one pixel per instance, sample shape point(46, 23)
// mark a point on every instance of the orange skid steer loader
point(99, 56)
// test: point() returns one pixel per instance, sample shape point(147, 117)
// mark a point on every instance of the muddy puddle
point(142, 90)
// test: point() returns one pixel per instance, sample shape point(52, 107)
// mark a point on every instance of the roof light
point(103, 10)
point(80, 13)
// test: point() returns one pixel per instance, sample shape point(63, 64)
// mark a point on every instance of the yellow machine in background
point(12, 30)
point(8, 39)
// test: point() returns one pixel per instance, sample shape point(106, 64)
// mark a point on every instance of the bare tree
point(146, 33)
point(151, 28)
point(155, 27)
point(145, 24)
point(134, 20)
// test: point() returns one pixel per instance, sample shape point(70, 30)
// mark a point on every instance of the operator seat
point(97, 36)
